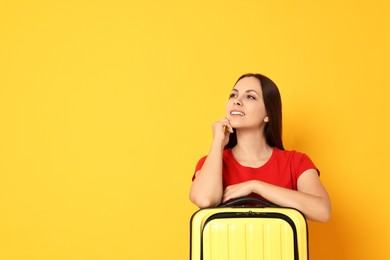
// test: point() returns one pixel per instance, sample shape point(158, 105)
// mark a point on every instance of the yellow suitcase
point(248, 233)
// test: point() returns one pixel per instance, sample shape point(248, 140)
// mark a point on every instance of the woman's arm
point(311, 197)
point(206, 189)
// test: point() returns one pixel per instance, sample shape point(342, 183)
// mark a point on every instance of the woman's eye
point(232, 95)
point(251, 97)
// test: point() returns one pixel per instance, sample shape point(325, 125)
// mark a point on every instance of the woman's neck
point(251, 147)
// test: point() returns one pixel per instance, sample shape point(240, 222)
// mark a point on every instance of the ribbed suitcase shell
point(248, 234)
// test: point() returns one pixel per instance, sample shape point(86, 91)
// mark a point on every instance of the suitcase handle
point(243, 202)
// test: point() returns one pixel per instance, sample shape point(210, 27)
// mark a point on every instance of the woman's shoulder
point(295, 158)
point(291, 154)
point(226, 154)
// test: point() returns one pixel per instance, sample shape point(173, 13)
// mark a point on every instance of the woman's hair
point(273, 106)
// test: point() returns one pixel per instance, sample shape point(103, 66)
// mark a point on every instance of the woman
point(247, 156)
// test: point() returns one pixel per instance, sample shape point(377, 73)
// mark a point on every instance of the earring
point(266, 119)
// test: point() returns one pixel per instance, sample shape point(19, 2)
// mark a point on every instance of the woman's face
point(245, 107)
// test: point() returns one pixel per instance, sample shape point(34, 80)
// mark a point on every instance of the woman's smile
point(237, 113)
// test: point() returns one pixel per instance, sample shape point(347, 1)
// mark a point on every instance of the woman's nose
point(237, 102)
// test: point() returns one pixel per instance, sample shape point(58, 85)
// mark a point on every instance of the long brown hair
point(273, 106)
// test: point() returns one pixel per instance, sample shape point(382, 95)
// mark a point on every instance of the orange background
point(106, 106)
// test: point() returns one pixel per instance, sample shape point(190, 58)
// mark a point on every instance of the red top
point(282, 169)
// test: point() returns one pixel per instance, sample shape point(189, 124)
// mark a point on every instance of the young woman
point(247, 156)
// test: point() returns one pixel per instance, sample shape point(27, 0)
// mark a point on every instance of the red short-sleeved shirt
point(282, 169)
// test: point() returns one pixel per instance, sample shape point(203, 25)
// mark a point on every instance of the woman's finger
point(228, 126)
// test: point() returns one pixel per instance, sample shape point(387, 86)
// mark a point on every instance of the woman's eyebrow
point(247, 91)
point(252, 90)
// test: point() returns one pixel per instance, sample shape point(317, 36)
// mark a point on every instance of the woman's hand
point(221, 131)
point(238, 190)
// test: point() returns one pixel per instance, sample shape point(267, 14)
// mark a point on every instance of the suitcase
point(262, 231)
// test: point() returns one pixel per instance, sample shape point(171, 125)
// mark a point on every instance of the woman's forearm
point(310, 198)
point(206, 189)
point(314, 207)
